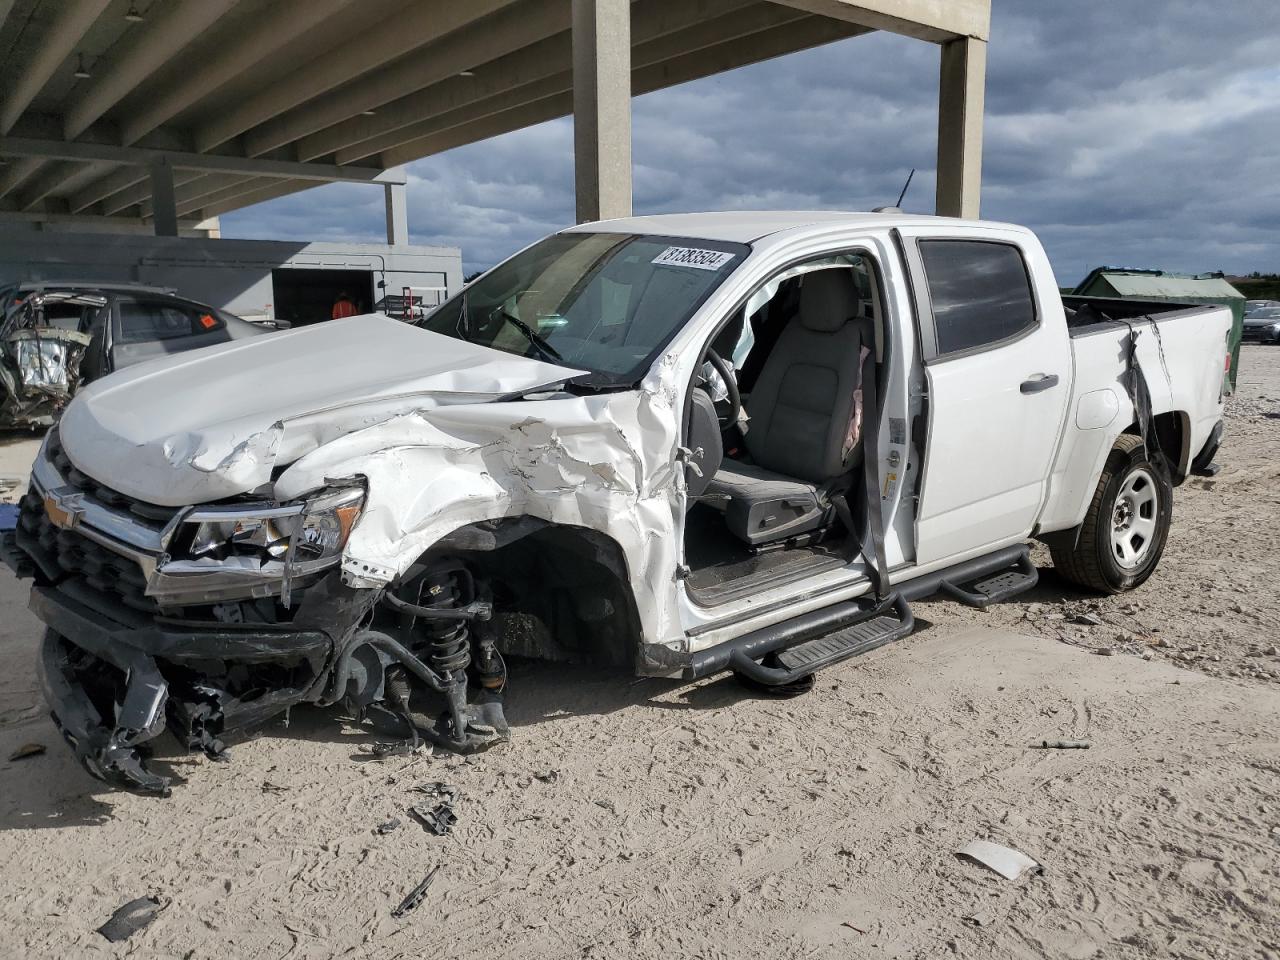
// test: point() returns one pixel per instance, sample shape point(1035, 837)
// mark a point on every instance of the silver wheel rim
point(1133, 519)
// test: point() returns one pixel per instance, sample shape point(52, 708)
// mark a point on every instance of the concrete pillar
point(397, 198)
point(961, 95)
point(602, 108)
point(164, 203)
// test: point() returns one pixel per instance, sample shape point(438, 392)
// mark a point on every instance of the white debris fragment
point(1009, 863)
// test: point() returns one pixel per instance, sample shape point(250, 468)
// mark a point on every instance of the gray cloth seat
point(801, 410)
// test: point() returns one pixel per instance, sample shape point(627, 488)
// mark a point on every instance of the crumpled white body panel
point(215, 423)
point(605, 462)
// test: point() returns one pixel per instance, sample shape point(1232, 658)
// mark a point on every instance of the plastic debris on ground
point(1060, 745)
point(439, 819)
point(27, 750)
point(131, 918)
point(416, 895)
point(1009, 863)
point(437, 790)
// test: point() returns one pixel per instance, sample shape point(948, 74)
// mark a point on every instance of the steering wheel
point(731, 387)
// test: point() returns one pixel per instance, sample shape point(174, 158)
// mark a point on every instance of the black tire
point(1094, 562)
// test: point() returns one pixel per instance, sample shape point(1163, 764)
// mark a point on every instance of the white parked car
point(687, 444)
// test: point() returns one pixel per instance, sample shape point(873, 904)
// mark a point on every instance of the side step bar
point(990, 587)
point(787, 651)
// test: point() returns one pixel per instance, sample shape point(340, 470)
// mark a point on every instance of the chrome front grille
point(77, 556)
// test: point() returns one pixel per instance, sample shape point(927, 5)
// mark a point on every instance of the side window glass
point(142, 321)
point(981, 292)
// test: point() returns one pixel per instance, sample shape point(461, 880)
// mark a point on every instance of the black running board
point(989, 588)
point(803, 645)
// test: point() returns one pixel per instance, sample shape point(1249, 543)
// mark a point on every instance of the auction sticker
point(692, 257)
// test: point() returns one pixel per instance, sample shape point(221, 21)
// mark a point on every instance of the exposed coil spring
point(449, 640)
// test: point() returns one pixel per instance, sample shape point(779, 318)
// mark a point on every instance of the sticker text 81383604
point(692, 257)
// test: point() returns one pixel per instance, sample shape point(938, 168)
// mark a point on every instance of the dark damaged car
point(684, 445)
point(56, 336)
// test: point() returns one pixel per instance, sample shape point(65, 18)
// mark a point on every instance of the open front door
point(998, 369)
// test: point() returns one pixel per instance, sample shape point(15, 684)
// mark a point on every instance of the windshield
point(604, 302)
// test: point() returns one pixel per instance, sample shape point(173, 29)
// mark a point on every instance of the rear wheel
point(1126, 526)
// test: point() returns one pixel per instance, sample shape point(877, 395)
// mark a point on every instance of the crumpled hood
point(214, 423)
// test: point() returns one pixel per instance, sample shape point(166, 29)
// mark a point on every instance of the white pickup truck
point(687, 444)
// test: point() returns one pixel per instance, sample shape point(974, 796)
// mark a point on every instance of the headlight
point(307, 532)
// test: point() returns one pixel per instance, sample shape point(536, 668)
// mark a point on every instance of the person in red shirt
point(344, 306)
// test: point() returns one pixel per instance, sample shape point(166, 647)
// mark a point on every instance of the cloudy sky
point(1123, 131)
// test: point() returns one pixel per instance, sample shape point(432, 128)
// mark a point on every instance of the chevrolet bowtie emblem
point(63, 507)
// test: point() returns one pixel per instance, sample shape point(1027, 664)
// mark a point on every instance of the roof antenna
point(897, 207)
point(905, 187)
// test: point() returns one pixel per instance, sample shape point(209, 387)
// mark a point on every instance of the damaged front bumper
point(112, 688)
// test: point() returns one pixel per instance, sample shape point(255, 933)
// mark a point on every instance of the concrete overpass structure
point(167, 112)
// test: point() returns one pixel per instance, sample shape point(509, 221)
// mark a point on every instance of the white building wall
point(232, 274)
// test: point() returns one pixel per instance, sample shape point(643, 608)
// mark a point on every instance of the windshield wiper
point(548, 352)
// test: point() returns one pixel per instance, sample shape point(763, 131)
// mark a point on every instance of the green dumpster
point(1175, 288)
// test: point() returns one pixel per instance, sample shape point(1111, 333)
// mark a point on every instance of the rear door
point(150, 327)
point(998, 367)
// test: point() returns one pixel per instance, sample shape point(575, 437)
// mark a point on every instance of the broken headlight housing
point(305, 534)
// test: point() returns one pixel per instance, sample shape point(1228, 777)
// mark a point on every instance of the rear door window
point(144, 321)
point(980, 292)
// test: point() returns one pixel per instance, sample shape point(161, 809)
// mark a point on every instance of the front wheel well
point(560, 592)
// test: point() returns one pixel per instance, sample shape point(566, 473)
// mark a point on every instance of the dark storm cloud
point(1123, 132)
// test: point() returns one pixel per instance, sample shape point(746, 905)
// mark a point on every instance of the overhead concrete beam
point(195, 195)
point(87, 174)
point(691, 24)
point(494, 125)
point(75, 17)
point(602, 108)
point(416, 25)
point(704, 35)
point(229, 192)
point(140, 192)
point(192, 192)
point(16, 172)
point(281, 188)
point(809, 31)
point(108, 186)
point(961, 95)
point(280, 24)
point(218, 163)
point(934, 20)
point(507, 30)
point(547, 55)
point(49, 181)
point(170, 28)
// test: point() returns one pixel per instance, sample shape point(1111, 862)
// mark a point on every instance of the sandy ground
point(660, 819)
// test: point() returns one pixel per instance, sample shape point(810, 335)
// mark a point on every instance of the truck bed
point(1180, 349)
point(1087, 315)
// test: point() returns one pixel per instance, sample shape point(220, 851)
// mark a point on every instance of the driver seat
point(802, 408)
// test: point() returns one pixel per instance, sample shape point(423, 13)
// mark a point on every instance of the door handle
point(1039, 382)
